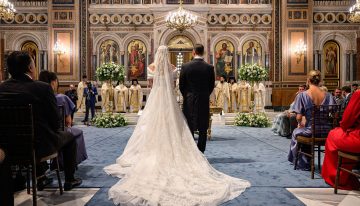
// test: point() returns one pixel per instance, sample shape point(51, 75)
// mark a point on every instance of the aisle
point(254, 154)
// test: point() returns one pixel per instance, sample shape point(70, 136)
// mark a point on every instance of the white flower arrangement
point(252, 120)
point(252, 73)
point(110, 71)
point(108, 120)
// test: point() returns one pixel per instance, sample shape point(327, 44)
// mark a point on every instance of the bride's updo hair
point(314, 77)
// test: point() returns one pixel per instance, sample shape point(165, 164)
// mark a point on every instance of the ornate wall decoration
point(126, 19)
point(330, 17)
point(116, 19)
point(255, 19)
point(33, 50)
point(30, 18)
point(137, 60)
point(64, 63)
point(94, 19)
point(42, 18)
point(213, 19)
point(331, 59)
point(109, 52)
point(9, 21)
point(297, 65)
point(20, 18)
point(223, 19)
point(234, 19)
point(245, 19)
point(340, 17)
point(105, 19)
point(148, 19)
point(266, 19)
point(319, 17)
point(252, 52)
point(137, 19)
point(224, 58)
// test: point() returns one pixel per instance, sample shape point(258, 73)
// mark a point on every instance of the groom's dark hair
point(199, 49)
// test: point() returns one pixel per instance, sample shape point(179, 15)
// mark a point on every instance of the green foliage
point(252, 120)
point(252, 73)
point(110, 71)
point(108, 120)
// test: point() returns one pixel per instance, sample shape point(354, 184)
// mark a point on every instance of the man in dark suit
point(90, 93)
point(197, 80)
point(21, 88)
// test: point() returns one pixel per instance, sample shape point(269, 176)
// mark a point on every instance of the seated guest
point(69, 107)
point(338, 97)
point(344, 138)
point(347, 96)
point(283, 122)
point(303, 107)
point(6, 190)
point(325, 89)
point(72, 94)
point(354, 87)
point(48, 138)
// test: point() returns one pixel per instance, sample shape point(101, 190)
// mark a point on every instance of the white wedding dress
point(161, 164)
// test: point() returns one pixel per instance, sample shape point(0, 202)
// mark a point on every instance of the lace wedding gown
point(161, 164)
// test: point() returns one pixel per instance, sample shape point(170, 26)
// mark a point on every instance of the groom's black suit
point(197, 79)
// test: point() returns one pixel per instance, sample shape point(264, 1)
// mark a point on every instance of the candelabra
point(181, 19)
point(355, 12)
point(300, 50)
point(6, 10)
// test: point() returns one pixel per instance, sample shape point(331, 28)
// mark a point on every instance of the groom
point(197, 79)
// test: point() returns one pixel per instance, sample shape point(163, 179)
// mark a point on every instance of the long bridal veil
point(161, 164)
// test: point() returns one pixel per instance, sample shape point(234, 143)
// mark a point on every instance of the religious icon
point(331, 58)
point(20, 18)
point(224, 61)
point(109, 52)
point(33, 50)
point(252, 52)
point(137, 60)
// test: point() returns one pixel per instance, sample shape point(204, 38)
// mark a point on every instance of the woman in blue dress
point(69, 107)
point(303, 105)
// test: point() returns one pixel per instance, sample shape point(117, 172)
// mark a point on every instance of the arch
point(345, 45)
point(27, 37)
point(262, 41)
point(103, 37)
point(230, 37)
point(129, 37)
point(168, 34)
point(342, 40)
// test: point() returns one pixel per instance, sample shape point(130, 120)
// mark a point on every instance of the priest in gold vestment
point(244, 96)
point(80, 92)
point(107, 94)
point(222, 94)
point(121, 96)
point(259, 97)
point(135, 97)
point(234, 93)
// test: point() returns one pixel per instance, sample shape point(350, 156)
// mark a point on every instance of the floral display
point(108, 120)
point(110, 71)
point(252, 73)
point(252, 120)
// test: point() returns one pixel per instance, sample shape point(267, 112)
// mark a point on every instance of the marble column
point(347, 66)
point(316, 65)
point(319, 60)
point(94, 63)
point(351, 66)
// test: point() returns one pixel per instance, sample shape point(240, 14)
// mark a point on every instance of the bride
point(161, 164)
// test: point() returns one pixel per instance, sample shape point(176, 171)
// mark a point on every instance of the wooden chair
point(324, 118)
point(17, 137)
point(62, 117)
point(347, 155)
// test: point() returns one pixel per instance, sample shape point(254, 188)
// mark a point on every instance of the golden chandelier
point(355, 12)
point(6, 10)
point(180, 19)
